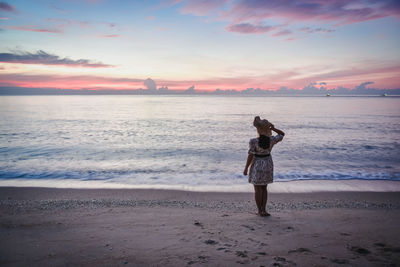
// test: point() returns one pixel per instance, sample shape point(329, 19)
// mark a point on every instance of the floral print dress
point(262, 168)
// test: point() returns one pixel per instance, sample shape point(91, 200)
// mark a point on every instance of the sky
point(208, 44)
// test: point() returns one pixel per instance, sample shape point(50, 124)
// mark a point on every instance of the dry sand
point(133, 227)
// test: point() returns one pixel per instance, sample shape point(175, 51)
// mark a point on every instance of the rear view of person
point(259, 160)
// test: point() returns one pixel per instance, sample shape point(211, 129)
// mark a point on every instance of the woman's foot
point(265, 214)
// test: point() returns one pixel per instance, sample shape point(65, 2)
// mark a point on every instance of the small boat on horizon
point(383, 94)
point(328, 94)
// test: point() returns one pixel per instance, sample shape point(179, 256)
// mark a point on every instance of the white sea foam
point(307, 186)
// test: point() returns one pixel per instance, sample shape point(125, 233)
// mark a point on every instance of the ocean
point(192, 142)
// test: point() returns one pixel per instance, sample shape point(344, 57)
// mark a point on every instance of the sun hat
point(263, 126)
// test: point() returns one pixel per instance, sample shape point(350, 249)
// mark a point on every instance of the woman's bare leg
point(264, 200)
point(258, 198)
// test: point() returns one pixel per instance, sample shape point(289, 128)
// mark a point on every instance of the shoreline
point(36, 198)
point(293, 186)
point(152, 227)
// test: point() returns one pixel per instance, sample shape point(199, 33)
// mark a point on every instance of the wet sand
point(137, 227)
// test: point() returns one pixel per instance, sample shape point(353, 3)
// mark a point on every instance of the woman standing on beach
point(260, 161)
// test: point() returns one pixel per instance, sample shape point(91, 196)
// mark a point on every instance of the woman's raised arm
point(277, 130)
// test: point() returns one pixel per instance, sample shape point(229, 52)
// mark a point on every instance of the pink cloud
point(110, 35)
point(248, 28)
point(32, 29)
point(316, 30)
point(335, 11)
point(201, 7)
point(384, 77)
point(282, 33)
point(387, 77)
point(93, 1)
point(247, 16)
point(63, 24)
point(83, 24)
point(68, 82)
point(60, 23)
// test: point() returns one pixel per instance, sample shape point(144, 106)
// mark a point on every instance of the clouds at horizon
point(292, 79)
point(310, 89)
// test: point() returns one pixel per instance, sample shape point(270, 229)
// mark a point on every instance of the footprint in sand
point(387, 248)
point(289, 229)
point(299, 250)
point(345, 234)
point(360, 250)
point(280, 259)
point(248, 227)
point(199, 224)
point(242, 254)
point(380, 245)
point(211, 242)
point(201, 259)
point(340, 261)
point(390, 249)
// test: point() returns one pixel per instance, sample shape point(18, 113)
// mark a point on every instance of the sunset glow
point(207, 44)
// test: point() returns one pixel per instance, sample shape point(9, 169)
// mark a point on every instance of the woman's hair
point(264, 141)
point(263, 126)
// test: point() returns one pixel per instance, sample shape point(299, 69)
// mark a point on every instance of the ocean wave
point(169, 176)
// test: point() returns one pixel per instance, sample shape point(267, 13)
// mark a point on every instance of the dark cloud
point(43, 58)
point(316, 30)
point(6, 7)
point(363, 86)
point(150, 84)
point(190, 89)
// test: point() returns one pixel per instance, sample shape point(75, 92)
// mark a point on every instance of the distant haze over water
point(309, 90)
point(195, 140)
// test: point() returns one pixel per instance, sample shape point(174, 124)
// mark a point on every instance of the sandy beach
point(138, 227)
